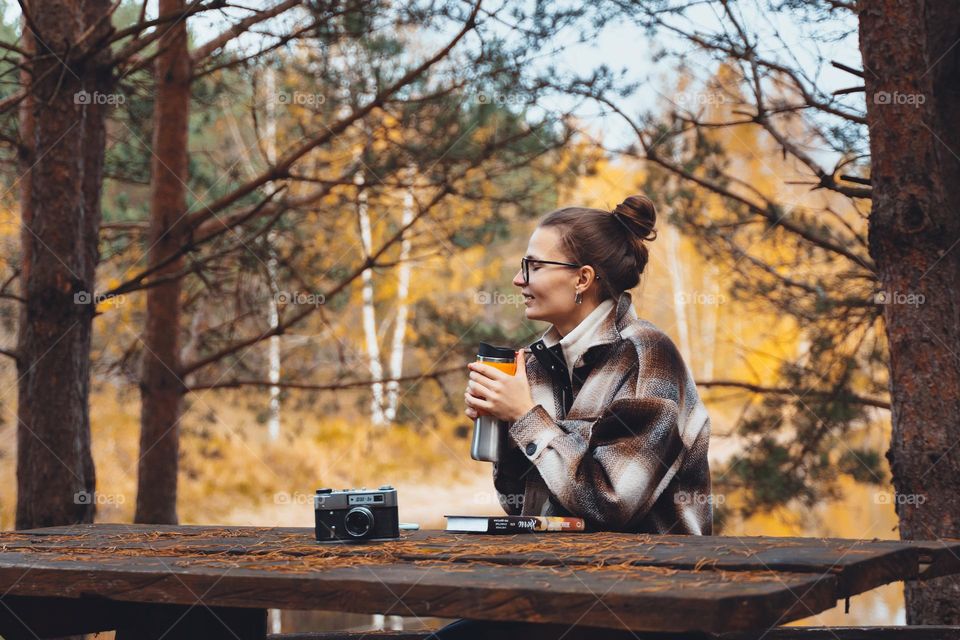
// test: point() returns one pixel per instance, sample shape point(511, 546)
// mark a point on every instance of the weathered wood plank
point(854, 633)
point(640, 598)
point(780, 633)
point(134, 557)
point(937, 557)
point(943, 556)
point(859, 565)
point(496, 630)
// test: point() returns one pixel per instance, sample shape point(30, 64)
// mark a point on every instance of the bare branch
point(826, 179)
point(850, 70)
point(331, 386)
point(769, 211)
point(749, 55)
point(279, 329)
point(256, 54)
point(283, 165)
point(217, 42)
point(164, 22)
point(139, 281)
point(755, 388)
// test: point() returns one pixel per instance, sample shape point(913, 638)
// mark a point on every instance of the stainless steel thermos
point(488, 431)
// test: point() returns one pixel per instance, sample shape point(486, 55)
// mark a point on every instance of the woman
point(607, 424)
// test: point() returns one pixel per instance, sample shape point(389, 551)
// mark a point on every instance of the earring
point(579, 298)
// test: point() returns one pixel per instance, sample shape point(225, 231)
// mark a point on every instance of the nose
point(518, 279)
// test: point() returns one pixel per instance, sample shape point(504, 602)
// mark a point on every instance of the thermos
point(488, 431)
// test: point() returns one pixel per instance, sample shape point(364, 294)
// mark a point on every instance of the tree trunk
point(681, 299)
point(369, 309)
point(912, 77)
point(161, 386)
point(99, 82)
point(403, 305)
point(270, 150)
point(707, 350)
point(63, 130)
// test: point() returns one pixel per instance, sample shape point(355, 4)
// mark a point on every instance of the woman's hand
point(499, 394)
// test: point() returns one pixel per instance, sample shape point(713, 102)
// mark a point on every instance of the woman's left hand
point(504, 396)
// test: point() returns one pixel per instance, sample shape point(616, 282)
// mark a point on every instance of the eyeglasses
point(525, 266)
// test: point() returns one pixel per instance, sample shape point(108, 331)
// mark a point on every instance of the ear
point(586, 275)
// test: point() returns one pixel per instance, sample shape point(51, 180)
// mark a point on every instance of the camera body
point(356, 515)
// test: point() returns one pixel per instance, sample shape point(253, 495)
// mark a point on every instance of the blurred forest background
point(300, 219)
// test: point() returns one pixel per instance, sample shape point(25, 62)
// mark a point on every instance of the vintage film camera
point(356, 515)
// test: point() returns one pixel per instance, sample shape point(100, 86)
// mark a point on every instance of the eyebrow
point(531, 256)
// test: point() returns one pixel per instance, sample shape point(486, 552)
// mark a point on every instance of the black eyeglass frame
point(525, 267)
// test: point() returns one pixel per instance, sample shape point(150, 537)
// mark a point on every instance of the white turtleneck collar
point(581, 337)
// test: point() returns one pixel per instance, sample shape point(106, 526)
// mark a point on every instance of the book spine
point(512, 524)
point(559, 523)
point(533, 524)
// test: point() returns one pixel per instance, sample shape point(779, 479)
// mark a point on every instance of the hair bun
point(639, 215)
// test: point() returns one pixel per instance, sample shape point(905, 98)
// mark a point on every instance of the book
point(513, 524)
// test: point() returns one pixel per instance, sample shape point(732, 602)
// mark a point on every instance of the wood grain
point(605, 580)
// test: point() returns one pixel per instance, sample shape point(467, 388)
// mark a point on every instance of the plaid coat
point(624, 444)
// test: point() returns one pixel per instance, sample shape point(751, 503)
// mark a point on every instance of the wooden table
point(218, 582)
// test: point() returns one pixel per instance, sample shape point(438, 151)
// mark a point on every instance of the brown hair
point(613, 242)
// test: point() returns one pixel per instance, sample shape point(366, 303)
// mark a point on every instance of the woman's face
point(549, 296)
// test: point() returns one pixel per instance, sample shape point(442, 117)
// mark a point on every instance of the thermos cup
point(487, 430)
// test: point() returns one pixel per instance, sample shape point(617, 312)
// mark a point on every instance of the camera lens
point(358, 522)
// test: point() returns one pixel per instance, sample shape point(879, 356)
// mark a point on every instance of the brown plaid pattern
point(631, 452)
